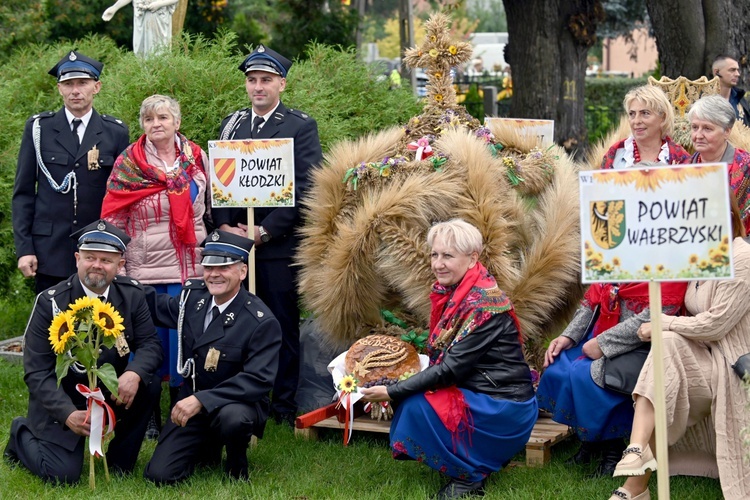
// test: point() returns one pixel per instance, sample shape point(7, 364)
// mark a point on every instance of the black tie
point(102, 298)
point(257, 122)
point(76, 122)
point(214, 314)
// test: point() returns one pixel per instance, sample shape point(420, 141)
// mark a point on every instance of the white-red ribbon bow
point(100, 415)
point(422, 147)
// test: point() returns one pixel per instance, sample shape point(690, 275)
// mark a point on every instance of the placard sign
point(252, 173)
point(544, 130)
point(662, 223)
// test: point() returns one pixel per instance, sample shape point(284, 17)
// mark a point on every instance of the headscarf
point(133, 180)
point(460, 309)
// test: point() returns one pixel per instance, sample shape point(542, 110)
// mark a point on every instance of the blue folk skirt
point(501, 428)
point(568, 392)
point(168, 338)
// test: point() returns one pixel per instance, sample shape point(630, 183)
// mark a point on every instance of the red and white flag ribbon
point(100, 414)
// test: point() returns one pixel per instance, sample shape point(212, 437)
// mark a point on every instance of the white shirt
point(84, 122)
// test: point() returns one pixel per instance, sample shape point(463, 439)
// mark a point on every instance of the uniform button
point(77, 165)
point(75, 222)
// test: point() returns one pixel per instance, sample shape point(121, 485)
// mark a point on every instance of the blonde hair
point(458, 234)
point(151, 105)
point(655, 100)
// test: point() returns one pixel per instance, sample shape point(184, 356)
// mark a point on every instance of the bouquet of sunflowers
point(77, 337)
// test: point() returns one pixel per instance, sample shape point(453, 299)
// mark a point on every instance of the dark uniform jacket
point(279, 222)
point(489, 360)
point(246, 335)
point(50, 406)
point(43, 219)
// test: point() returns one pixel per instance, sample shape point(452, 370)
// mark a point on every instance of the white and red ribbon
point(422, 148)
point(345, 400)
point(100, 414)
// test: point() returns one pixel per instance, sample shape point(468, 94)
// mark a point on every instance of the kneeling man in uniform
point(228, 353)
point(50, 441)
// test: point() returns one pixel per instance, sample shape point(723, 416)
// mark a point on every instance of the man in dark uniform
point(274, 232)
point(63, 166)
point(229, 350)
point(50, 441)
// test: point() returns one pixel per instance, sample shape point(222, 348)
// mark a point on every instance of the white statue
point(152, 23)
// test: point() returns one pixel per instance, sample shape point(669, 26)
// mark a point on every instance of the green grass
point(286, 468)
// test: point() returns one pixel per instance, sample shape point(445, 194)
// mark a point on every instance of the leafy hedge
point(331, 85)
point(604, 103)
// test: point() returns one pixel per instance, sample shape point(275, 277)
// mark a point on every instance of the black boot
point(460, 488)
point(611, 454)
point(152, 431)
point(587, 453)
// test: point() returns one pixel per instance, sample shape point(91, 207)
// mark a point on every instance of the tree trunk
point(178, 18)
point(706, 29)
point(548, 62)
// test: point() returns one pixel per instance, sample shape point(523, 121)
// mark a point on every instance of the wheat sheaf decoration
point(363, 248)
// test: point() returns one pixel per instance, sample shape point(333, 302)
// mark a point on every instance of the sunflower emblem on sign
point(607, 223)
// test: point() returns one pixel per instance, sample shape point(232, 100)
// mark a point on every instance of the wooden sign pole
point(660, 410)
point(251, 257)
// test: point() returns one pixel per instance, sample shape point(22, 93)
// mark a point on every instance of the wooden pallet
point(544, 436)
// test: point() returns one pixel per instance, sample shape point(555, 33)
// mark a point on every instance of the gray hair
point(151, 105)
point(715, 109)
point(656, 100)
point(457, 234)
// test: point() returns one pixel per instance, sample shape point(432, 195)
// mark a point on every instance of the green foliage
point(70, 19)
point(21, 22)
point(490, 15)
point(300, 21)
point(604, 103)
point(206, 17)
point(331, 85)
point(342, 94)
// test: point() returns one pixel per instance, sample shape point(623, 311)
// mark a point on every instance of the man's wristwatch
point(264, 236)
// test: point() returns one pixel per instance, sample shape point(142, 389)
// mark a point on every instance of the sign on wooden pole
point(663, 223)
point(252, 173)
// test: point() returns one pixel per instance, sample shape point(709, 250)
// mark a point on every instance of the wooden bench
point(544, 436)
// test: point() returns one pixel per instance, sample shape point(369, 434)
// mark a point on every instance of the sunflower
point(60, 331)
point(694, 259)
point(81, 304)
point(108, 319)
point(348, 384)
point(616, 261)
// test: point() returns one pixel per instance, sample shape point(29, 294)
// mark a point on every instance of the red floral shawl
point(133, 180)
point(635, 295)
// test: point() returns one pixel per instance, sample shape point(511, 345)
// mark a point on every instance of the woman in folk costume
point(711, 120)
point(572, 385)
point(706, 404)
point(473, 408)
point(157, 194)
point(651, 118)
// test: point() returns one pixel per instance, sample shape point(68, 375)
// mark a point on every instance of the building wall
point(616, 54)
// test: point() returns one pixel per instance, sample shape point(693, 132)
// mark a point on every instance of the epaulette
point(127, 280)
point(195, 284)
point(233, 112)
point(299, 114)
point(112, 119)
point(257, 309)
point(43, 114)
point(58, 289)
